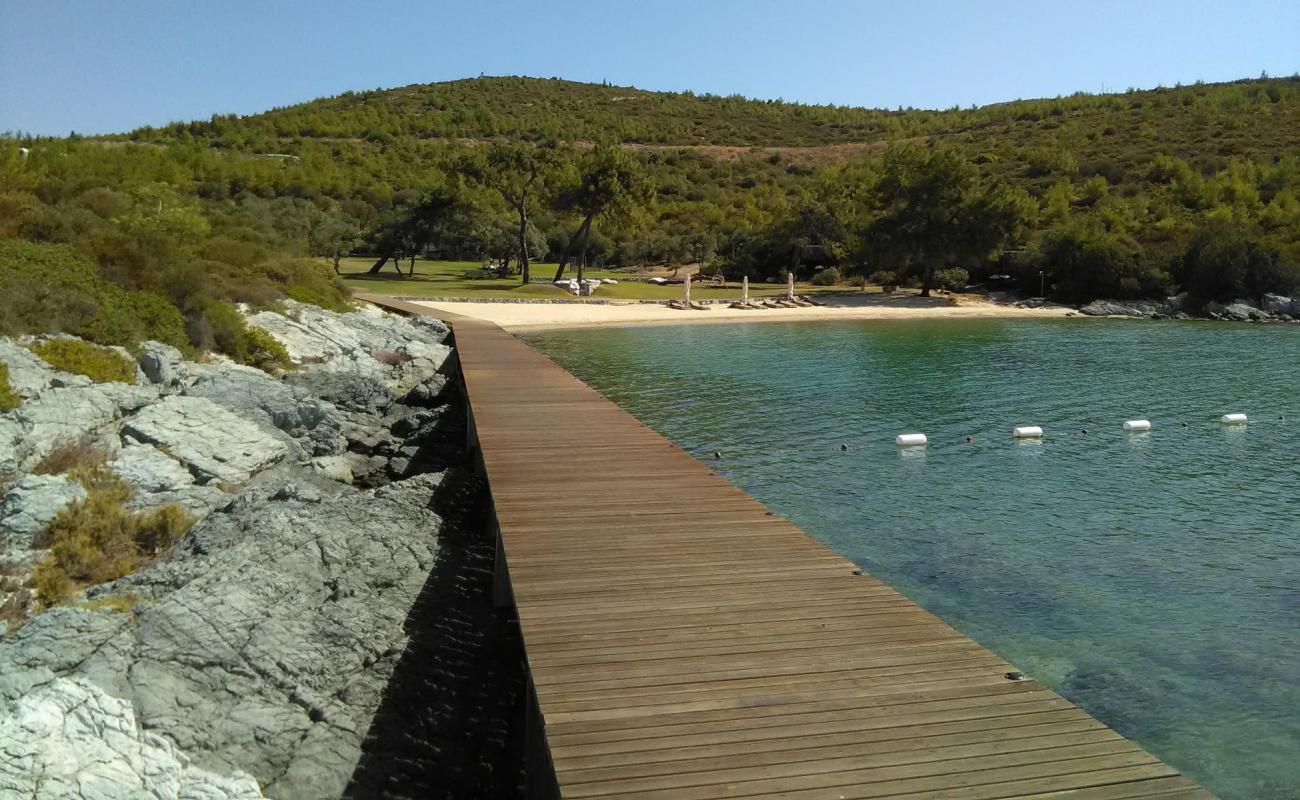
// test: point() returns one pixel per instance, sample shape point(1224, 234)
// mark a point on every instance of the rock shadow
point(449, 724)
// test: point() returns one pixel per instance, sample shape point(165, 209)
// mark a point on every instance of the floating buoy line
point(1037, 432)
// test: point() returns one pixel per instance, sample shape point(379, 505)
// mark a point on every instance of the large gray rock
point(1239, 311)
point(28, 375)
point(1277, 304)
point(215, 444)
point(27, 507)
point(1124, 308)
point(69, 739)
point(158, 479)
point(307, 421)
point(312, 334)
point(62, 416)
point(162, 364)
point(263, 640)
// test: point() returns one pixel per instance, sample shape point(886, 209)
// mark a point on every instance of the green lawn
point(447, 279)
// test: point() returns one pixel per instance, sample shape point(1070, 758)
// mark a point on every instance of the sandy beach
point(578, 314)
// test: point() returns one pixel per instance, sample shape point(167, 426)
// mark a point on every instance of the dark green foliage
point(1225, 262)
point(932, 211)
point(827, 277)
point(1083, 263)
point(50, 288)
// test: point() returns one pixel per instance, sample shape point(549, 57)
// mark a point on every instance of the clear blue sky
point(98, 66)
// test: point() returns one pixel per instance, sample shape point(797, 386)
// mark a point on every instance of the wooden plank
point(685, 641)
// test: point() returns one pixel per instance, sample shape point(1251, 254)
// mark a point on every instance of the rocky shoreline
point(1272, 308)
point(336, 540)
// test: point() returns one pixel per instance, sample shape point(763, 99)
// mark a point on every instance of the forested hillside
point(1141, 193)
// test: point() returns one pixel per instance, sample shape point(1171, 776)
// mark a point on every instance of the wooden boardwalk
point(684, 642)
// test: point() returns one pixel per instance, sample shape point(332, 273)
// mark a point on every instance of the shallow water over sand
point(1152, 578)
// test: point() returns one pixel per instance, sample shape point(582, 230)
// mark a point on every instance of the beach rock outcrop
point(64, 414)
point(250, 657)
point(1272, 308)
point(1126, 308)
point(312, 334)
point(1238, 311)
point(263, 642)
point(309, 424)
point(214, 444)
point(70, 739)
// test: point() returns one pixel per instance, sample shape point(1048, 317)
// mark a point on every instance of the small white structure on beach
point(1027, 432)
point(789, 286)
point(911, 440)
point(1233, 419)
point(1137, 425)
point(687, 289)
point(744, 290)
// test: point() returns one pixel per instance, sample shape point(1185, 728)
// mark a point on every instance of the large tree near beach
point(606, 183)
point(521, 173)
point(931, 210)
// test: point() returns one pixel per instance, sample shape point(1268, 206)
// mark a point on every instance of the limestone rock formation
point(212, 442)
point(26, 508)
point(263, 642)
point(70, 739)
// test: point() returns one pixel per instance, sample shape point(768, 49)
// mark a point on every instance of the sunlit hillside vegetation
point(1117, 195)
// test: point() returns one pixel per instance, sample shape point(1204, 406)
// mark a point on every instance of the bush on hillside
point(954, 279)
point(9, 399)
point(1084, 263)
point(50, 289)
point(1224, 262)
point(100, 364)
point(220, 327)
point(827, 277)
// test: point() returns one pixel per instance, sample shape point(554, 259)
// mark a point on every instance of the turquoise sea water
point(1154, 579)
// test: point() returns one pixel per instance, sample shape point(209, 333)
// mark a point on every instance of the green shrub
point(884, 277)
point(264, 351)
point(9, 399)
point(827, 277)
point(953, 279)
point(220, 327)
point(308, 280)
point(51, 289)
point(99, 539)
point(100, 364)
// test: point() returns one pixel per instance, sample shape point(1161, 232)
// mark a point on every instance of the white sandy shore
point(578, 314)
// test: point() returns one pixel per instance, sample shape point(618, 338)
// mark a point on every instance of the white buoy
point(1233, 419)
point(1137, 425)
point(910, 440)
point(1028, 432)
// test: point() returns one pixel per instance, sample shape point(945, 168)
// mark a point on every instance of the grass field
point(447, 279)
